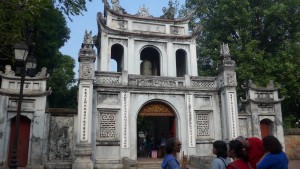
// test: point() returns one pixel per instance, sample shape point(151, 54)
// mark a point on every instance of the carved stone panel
point(107, 80)
point(203, 124)
point(86, 71)
point(107, 129)
point(177, 30)
point(156, 83)
point(119, 24)
point(203, 84)
point(60, 143)
point(149, 27)
point(243, 126)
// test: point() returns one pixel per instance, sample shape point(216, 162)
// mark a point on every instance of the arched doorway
point(23, 140)
point(150, 62)
point(156, 123)
point(117, 58)
point(266, 127)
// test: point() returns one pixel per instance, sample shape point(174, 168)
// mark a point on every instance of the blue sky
point(88, 21)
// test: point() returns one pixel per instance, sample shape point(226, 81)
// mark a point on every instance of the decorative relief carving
point(143, 11)
point(8, 70)
point(88, 39)
point(107, 80)
point(60, 138)
point(107, 125)
point(156, 83)
point(149, 27)
point(231, 79)
point(156, 109)
point(203, 127)
point(177, 30)
point(42, 73)
point(243, 125)
point(221, 81)
point(119, 24)
point(203, 84)
point(86, 71)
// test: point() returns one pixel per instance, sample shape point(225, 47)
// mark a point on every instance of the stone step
point(108, 164)
point(148, 165)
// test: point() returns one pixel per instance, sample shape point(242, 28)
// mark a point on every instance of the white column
point(171, 60)
point(131, 57)
point(193, 60)
point(105, 53)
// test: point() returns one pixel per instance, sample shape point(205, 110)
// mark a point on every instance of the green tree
point(264, 40)
point(43, 24)
point(18, 20)
point(62, 82)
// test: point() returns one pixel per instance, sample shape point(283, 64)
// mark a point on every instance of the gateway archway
point(156, 123)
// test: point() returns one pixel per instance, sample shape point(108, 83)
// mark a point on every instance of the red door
point(23, 140)
point(265, 130)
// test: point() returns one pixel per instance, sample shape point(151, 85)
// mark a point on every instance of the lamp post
point(21, 52)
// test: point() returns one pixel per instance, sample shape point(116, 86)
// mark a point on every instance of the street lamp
point(21, 52)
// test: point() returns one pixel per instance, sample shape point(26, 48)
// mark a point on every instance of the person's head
point(272, 145)
point(173, 145)
point(220, 148)
point(243, 140)
point(236, 150)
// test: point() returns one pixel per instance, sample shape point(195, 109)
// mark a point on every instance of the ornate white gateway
point(154, 92)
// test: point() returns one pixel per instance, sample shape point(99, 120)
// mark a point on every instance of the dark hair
point(170, 145)
point(239, 151)
point(272, 144)
point(221, 148)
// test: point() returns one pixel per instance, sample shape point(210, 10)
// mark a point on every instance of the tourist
point(148, 145)
point(254, 148)
point(162, 145)
point(274, 158)
point(220, 150)
point(239, 156)
point(173, 146)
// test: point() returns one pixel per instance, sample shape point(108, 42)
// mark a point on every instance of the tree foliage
point(41, 23)
point(264, 40)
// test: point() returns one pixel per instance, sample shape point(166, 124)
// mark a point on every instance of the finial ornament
point(224, 50)
point(143, 11)
point(88, 39)
point(115, 5)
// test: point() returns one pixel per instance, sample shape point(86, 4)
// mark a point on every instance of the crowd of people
point(242, 153)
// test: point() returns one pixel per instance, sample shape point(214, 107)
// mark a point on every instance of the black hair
point(221, 148)
point(239, 151)
point(272, 145)
point(170, 145)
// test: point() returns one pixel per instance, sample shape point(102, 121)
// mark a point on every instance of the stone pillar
point(227, 87)
point(83, 150)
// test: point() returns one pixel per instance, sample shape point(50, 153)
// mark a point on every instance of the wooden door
point(265, 130)
point(23, 140)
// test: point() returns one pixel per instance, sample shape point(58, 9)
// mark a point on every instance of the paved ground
point(294, 164)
